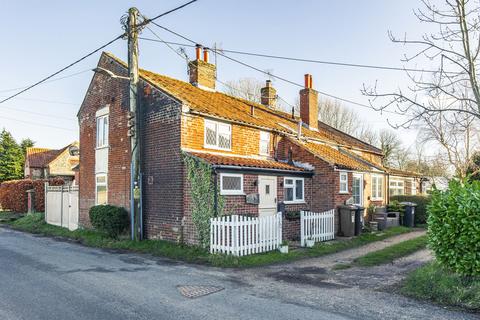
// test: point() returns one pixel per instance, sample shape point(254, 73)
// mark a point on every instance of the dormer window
point(218, 135)
point(264, 143)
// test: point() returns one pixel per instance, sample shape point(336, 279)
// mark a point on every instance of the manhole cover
point(197, 291)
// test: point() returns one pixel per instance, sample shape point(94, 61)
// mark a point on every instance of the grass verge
point(391, 253)
point(434, 283)
point(35, 224)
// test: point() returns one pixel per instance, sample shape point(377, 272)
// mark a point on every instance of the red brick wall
point(162, 166)
point(104, 91)
point(245, 140)
point(325, 183)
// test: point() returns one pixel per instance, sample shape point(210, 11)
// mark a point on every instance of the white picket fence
point(319, 226)
point(240, 235)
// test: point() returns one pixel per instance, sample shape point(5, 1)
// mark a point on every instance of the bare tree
point(333, 113)
point(389, 143)
point(365, 133)
point(452, 86)
point(245, 88)
point(457, 134)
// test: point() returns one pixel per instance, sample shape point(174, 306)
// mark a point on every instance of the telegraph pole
point(134, 124)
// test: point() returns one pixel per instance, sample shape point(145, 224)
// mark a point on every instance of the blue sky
point(47, 35)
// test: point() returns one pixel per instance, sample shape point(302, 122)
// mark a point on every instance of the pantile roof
point(40, 157)
point(221, 105)
point(333, 156)
point(244, 162)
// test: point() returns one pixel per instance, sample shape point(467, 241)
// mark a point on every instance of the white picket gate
point(240, 235)
point(319, 226)
point(61, 206)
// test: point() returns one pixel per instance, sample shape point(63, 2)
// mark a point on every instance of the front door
point(357, 189)
point(267, 191)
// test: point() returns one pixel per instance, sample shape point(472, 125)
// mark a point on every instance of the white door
point(357, 188)
point(267, 191)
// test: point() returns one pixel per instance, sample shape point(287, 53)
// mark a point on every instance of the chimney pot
point(198, 51)
point(205, 54)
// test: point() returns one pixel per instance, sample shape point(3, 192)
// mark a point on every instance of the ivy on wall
point(202, 187)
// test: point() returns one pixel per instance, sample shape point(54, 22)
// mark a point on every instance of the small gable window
point(343, 182)
point(264, 143)
point(218, 135)
point(231, 184)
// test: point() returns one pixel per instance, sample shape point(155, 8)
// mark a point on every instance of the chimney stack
point(202, 73)
point(309, 104)
point(268, 95)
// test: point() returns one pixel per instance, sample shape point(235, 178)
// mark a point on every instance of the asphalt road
point(43, 278)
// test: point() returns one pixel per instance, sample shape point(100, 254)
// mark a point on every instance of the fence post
point(302, 228)
point(45, 200)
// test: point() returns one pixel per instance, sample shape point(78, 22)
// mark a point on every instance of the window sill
point(344, 192)
point(376, 199)
point(216, 148)
point(232, 193)
point(295, 202)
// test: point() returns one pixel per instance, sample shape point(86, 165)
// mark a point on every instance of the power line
point(145, 22)
point(63, 69)
point(37, 124)
point(36, 113)
point(52, 80)
point(46, 101)
point(271, 56)
point(279, 77)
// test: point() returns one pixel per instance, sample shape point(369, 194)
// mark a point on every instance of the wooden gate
point(61, 206)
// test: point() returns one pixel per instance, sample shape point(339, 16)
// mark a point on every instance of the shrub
point(454, 227)
point(109, 219)
point(13, 193)
point(421, 214)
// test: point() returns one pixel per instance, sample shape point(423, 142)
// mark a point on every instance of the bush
point(454, 227)
point(13, 194)
point(421, 214)
point(109, 219)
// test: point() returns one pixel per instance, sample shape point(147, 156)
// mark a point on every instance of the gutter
point(256, 170)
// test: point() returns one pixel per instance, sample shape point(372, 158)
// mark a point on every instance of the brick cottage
point(280, 160)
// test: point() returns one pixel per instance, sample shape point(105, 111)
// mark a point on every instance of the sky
point(44, 36)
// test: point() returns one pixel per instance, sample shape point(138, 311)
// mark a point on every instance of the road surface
point(44, 278)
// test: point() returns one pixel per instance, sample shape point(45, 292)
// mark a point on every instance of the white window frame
point(102, 184)
point(102, 129)
point(396, 187)
point(414, 187)
point(264, 138)
point(217, 124)
point(379, 188)
point(294, 187)
point(231, 192)
point(345, 182)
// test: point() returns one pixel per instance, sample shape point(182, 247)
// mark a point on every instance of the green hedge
point(109, 219)
point(421, 214)
point(454, 227)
